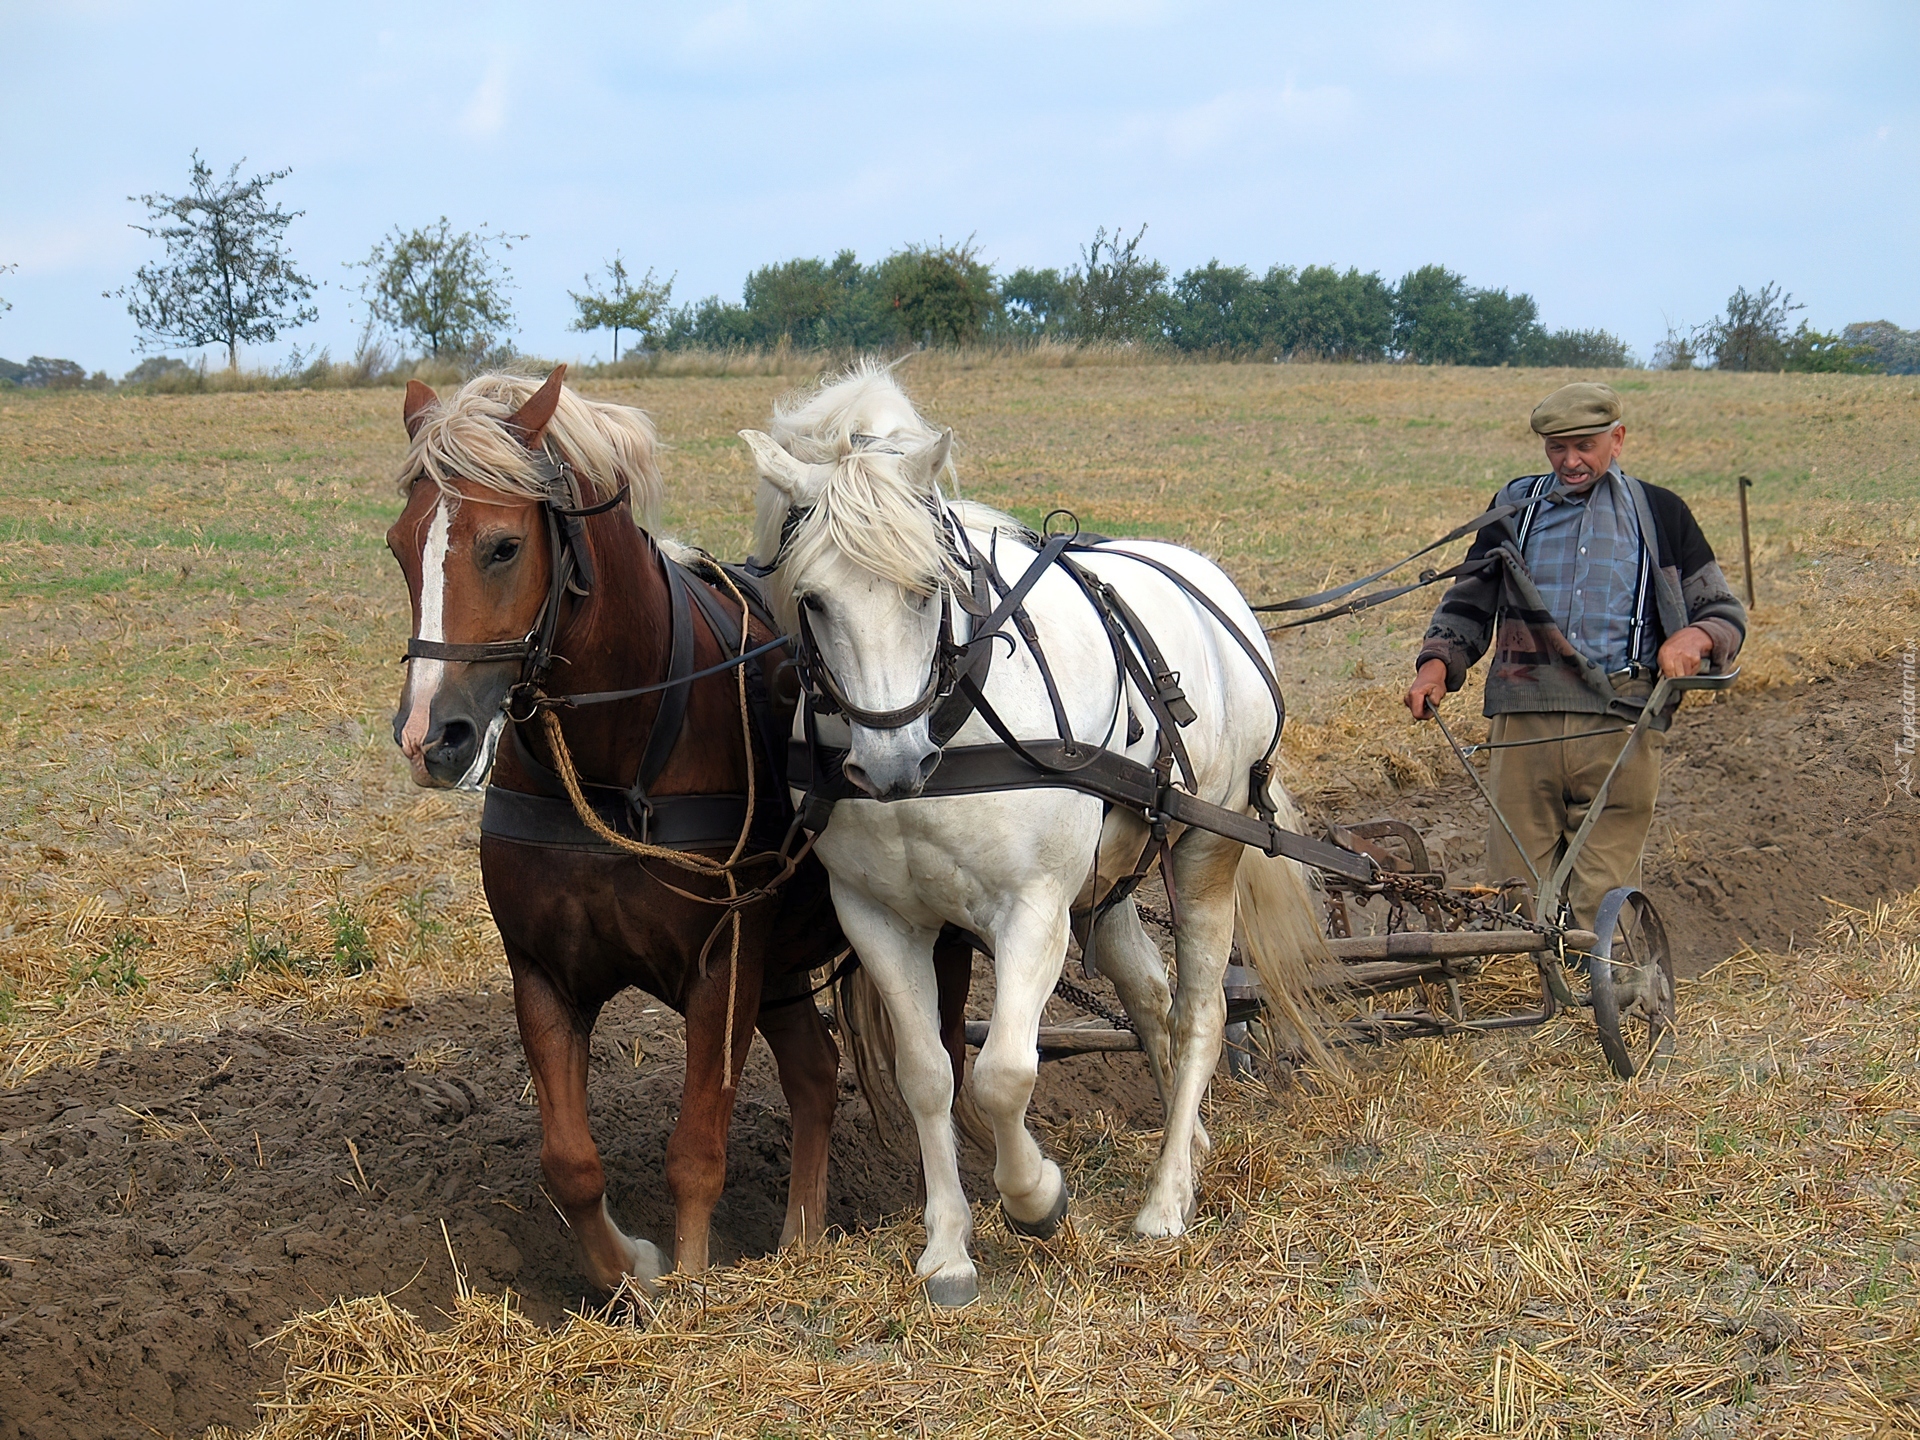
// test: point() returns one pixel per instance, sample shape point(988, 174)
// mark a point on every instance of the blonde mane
point(463, 437)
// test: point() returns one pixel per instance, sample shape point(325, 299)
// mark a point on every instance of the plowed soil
point(164, 1210)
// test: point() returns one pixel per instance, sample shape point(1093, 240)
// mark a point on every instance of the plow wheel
point(1631, 974)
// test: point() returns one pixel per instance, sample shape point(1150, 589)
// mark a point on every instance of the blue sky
point(1626, 164)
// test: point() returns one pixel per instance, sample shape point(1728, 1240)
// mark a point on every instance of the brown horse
point(529, 585)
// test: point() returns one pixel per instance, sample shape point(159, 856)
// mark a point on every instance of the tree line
point(226, 278)
point(945, 294)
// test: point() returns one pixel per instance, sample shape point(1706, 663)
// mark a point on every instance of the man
point(1596, 581)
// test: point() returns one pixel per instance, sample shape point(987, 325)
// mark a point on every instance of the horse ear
point(530, 421)
point(420, 398)
point(777, 467)
point(934, 456)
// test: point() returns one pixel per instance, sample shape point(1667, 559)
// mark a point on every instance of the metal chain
point(1091, 1003)
point(1403, 889)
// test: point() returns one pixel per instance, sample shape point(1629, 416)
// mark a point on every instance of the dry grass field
point(204, 820)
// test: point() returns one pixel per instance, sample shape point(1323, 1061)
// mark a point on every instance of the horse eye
point(814, 603)
point(504, 551)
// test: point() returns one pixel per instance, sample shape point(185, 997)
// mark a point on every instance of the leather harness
point(956, 690)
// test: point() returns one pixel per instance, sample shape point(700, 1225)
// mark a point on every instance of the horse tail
point(1279, 923)
point(867, 1031)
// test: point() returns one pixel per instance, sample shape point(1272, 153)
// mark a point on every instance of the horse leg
point(809, 1064)
point(697, 1149)
point(898, 959)
point(1028, 954)
point(1133, 963)
point(554, 1033)
point(1203, 873)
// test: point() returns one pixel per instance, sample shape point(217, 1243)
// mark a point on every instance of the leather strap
point(677, 822)
point(1490, 516)
point(672, 714)
point(488, 652)
point(983, 769)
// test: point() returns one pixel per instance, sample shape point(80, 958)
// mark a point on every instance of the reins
point(1491, 516)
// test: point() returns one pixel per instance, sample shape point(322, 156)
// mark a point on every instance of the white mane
point(878, 502)
point(818, 426)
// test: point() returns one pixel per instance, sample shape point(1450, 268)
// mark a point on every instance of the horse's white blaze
point(424, 676)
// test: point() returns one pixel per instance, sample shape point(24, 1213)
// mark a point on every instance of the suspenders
point(1637, 628)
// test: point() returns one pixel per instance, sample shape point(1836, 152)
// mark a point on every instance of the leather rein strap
point(987, 769)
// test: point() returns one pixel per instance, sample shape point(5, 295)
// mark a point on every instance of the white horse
point(852, 518)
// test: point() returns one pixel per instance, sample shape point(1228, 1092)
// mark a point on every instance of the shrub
point(1577, 350)
point(1218, 307)
point(1893, 350)
point(1814, 351)
point(157, 368)
point(1325, 314)
point(1122, 295)
point(1034, 304)
point(938, 294)
point(42, 373)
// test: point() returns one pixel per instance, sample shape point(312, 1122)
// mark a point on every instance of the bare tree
point(226, 277)
point(446, 291)
point(1120, 294)
point(1752, 334)
point(625, 306)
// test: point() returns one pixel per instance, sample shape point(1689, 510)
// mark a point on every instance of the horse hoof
point(1045, 1226)
point(1159, 1220)
point(951, 1292)
point(647, 1264)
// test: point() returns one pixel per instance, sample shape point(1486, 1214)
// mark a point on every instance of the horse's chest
point(958, 861)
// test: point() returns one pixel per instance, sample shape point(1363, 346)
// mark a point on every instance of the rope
point(740, 845)
point(683, 859)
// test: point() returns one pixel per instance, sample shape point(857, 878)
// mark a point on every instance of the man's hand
point(1429, 688)
point(1685, 652)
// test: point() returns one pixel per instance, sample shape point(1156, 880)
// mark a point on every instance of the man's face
point(1579, 460)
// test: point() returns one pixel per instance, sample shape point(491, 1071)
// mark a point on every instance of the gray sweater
point(1534, 668)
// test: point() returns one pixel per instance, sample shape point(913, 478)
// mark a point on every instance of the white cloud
point(1242, 118)
point(485, 114)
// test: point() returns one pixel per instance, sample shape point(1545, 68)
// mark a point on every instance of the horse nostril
point(455, 740)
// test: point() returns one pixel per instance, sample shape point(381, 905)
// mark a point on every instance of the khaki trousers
point(1546, 790)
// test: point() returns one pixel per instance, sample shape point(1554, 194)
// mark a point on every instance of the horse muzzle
point(449, 735)
point(891, 764)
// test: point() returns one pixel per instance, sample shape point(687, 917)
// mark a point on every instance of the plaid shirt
point(1585, 555)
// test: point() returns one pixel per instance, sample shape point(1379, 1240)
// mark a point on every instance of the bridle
point(952, 657)
point(956, 665)
point(829, 698)
point(571, 573)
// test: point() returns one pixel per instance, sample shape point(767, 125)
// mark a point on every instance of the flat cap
point(1582, 408)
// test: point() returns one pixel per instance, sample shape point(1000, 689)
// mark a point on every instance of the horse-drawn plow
point(1408, 938)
